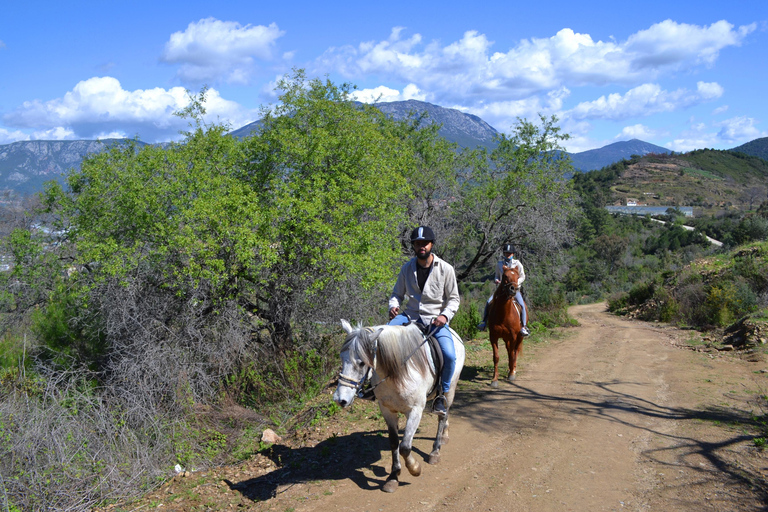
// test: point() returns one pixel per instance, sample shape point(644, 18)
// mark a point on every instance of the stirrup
point(439, 405)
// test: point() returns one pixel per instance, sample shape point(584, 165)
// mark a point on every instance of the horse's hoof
point(390, 486)
point(434, 458)
point(494, 384)
point(414, 469)
point(511, 378)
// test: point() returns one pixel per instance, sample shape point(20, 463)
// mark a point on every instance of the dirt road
point(613, 415)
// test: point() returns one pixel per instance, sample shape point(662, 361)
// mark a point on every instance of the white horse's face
point(352, 373)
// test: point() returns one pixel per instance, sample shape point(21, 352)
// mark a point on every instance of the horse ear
point(346, 326)
point(377, 333)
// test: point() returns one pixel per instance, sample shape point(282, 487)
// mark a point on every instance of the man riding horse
point(508, 260)
point(433, 299)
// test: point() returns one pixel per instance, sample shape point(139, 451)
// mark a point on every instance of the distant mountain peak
point(601, 157)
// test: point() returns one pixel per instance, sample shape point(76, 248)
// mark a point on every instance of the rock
point(269, 436)
point(725, 348)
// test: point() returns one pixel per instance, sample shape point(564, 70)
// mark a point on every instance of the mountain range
point(26, 165)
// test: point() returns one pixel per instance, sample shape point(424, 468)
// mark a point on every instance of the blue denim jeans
point(445, 340)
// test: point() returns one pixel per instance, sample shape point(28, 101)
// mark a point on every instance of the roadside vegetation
point(169, 304)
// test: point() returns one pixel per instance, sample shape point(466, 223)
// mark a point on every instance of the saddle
point(437, 355)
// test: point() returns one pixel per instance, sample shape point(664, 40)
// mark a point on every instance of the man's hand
point(497, 281)
point(439, 321)
point(393, 312)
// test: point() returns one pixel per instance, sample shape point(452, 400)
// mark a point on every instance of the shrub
point(728, 301)
point(465, 320)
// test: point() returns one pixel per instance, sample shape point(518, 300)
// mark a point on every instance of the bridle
point(347, 381)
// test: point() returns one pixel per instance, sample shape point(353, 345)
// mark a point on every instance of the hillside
point(757, 147)
point(708, 179)
point(26, 165)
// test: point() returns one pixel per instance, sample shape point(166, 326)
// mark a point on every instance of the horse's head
point(356, 358)
point(509, 280)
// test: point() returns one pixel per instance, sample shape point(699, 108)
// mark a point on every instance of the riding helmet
point(508, 248)
point(422, 233)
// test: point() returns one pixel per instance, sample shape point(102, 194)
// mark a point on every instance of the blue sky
point(679, 75)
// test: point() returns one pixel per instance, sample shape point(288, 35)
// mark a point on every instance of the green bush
point(729, 301)
point(641, 292)
point(465, 320)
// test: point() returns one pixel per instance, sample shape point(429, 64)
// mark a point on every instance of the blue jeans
point(445, 340)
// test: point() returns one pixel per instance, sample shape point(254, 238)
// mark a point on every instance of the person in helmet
point(433, 299)
point(508, 260)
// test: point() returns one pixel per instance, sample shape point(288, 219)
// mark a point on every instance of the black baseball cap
point(422, 233)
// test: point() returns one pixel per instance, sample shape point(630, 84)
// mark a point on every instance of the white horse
point(404, 377)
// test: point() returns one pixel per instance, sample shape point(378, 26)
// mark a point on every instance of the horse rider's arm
point(521, 272)
point(450, 294)
point(398, 291)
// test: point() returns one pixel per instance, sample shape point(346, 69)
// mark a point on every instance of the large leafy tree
point(288, 225)
point(332, 172)
point(518, 194)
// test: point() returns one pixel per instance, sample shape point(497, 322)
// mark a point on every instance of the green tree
point(332, 174)
point(518, 195)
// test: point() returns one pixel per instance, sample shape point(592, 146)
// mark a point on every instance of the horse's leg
point(515, 353)
point(495, 346)
point(406, 445)
point(391, 418)
point(510, 342)
point(441, 437)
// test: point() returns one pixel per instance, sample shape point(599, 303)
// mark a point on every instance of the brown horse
point(504, 322)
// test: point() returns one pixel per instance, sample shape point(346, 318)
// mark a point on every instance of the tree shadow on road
point(605, 401)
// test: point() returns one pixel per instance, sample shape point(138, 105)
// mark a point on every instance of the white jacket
point(439, 297)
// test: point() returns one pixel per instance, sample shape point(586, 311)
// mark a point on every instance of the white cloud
point(731, 133)
point(636, 131)
point(100, 106)
point(645, 100)
point(211, 50)
point(672, 43)
point(56, 133)
point(466, 70)
point(386, 94)
point(7, 137)
point(720, 110)
point(739, 130)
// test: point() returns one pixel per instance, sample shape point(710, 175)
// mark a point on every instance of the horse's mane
point(398, 349)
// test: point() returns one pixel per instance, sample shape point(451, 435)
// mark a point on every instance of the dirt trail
point(616, 415)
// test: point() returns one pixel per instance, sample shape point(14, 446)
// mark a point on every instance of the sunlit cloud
point(56, 133)
point(637, 131)
point(210, 50)
point(739, 129)
point(729, 133)
point(386, 94)
point(7, 136)
point(469, 70)
point(645, 100)
point(100, 106)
